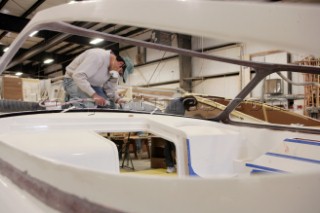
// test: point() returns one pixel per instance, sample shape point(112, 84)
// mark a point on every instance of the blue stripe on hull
point(293, 157)
point(191, 171)
point(302, 141)
point(264, 168)
point(257, 168)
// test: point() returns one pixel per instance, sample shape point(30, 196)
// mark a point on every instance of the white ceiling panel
point(17, 7)
point(48, 4)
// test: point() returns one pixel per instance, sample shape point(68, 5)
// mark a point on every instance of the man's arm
point(87, 66)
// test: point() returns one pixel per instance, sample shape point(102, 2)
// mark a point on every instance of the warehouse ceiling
point(15, 14)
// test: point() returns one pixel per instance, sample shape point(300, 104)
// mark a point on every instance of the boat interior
point(140, 152)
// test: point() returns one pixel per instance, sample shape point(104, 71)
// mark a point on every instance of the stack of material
point(12, 88)
point(21, 89)
point(19, 94)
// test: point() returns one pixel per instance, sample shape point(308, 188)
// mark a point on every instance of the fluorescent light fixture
point(6, 49)
point(48, 61)
point(96, 41)
point(71, 2)
point(18, 73)
point(33, 33)
point(5, 11)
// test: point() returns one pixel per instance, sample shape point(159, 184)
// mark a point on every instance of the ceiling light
point(6, 49)
point(18, 73)
point(71, 2)
point(48, 61)
point(5, 11)
point(33, 33)
point(96, 41)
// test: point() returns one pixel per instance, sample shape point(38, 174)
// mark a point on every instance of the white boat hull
point(225, 190)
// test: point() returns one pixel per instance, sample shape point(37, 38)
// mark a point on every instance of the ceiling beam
point(108, 26)
point(2, 3)
point(12, 23)
point(120, 29)
point(26, 13)
point(104, 45)
point(15, 24)
point(32, 8)
point(41, 47)
point(38, 58)
point(63, 47)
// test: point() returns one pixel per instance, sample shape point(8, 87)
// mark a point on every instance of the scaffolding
point(311, 92)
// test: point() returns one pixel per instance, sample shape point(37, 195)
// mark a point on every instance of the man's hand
point(121, 101)
point(100, 101)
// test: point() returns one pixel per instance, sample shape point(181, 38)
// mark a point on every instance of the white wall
point(203, 67)
point(281, 58)
point(227, 87)
point(221, 86)
point(168, 70)
point(164, 71)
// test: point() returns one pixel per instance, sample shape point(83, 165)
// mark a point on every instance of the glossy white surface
point(285, 26)
point(281, 25)
point(71, 138)
point(15, 200)
point(77, 148)
point(224, 193)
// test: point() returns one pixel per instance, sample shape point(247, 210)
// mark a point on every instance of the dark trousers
point(168, 149)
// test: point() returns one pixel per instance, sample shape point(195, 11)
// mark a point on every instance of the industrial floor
point(142, 166)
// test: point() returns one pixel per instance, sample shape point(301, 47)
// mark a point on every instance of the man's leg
point(75, 93)
point(168, 148)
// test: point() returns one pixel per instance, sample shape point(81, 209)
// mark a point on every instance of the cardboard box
point(157, 152)
point(158, 163)
point(12, 88)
